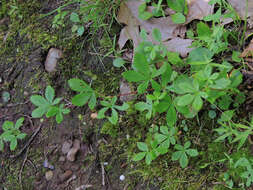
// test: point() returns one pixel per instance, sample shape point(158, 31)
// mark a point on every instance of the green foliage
point(11, 133)
point(58, 20)
point(86, 93)
point(77, 27)
point(48, 105)
point(110, 106)
point(183, 152)
point(234, 132)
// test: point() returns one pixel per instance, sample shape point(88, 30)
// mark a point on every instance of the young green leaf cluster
point(160, 145)
point(11, 133)
point(48, 105)
point(179, 6)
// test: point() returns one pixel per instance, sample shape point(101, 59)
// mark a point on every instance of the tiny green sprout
point(110, 105)
point(48, 105)
point(182, 152)
point(11, 134)
point(150, 153)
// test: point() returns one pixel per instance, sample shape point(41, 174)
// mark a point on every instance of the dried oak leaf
point(170, 32)
point(241, 8)
point(248, 52)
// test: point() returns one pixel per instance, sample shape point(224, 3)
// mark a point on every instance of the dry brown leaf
point(129, 32)
point(179, 45)
point(198, 9)
point(240, 8)
point(248, 52)
point(128, 14)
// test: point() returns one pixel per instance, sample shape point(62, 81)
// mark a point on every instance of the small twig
point(28, 143)
point(17, 104)
point(251, 67)
point(103, 174)
point(21, 169)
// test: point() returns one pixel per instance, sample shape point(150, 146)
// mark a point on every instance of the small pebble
point(26, 93)
point(49, 175)
point(66, 147)
point(52, 58)
point(122, 178)
point(94, 115)
point(62, 159)
point(66, 175)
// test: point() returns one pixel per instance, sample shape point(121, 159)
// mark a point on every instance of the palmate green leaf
point(1, 145)
point(139, 156)
point(166, 76)
point(148, 158)
point(187, 145)
point(145, 15)
point(162, 149)
point(142, 8)
point(79, 85)
point(7, 136)
point(81, 99)
point(7, 125)
point(166, 143)
point(13, 144)
point(39, 112)
point(142, 106)
point(185, 100)
point(155, 85)
point(197, 103)
point(80, 30)
point(179, 147)
point(182, 85)
point(178, 18)
point(160, 138)
point(118, 62)
point(59, 117)
point(49, 94)
point(133, 76)
point(92, 102)
point(176, 155)
point(142, 146)
point(21, 136)
point(203, 30)
point(19, 123)
point(124, 107)
point(39, 100)
point(140, 64)
point(171, 116)
point(56, 101)
point(156, 34)
point(178, 5)
point(221, 83)
point(142, 87)
point(52, 111)
point(226, 116)
point(192, 152)
point(101, 113)
point(183, 160)
point(164, 130)
point(114, 117)
point(74, 17)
